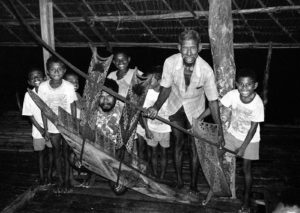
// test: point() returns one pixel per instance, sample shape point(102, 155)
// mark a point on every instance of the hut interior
point(108, 24)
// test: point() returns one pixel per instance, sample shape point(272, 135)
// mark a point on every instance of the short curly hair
point(189, 35)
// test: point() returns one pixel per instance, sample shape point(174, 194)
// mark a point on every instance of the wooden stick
point(111, 92)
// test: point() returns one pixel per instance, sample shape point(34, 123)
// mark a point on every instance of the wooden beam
point(245, 21)
point(72, 24)
point(101, 23)
point(142, 22)
point(221, 39)
point(47, 28)
point(153, 45)
point(171, 10)
point(293, 4)
point(278, 23)
point(266, 76)
point(159, 17)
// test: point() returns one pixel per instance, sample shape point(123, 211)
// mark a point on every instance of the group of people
point(178, 92)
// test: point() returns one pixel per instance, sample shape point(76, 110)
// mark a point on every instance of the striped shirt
point(191, 98)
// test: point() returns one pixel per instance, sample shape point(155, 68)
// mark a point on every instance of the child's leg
point(154, 160)
point(141, 146)
point(41, 155)
point(65, 148)
point(50, 166)
point(163, 162)
point(248, 182)
point(56, 143)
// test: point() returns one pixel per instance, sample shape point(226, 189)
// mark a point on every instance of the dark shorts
point(180, 118)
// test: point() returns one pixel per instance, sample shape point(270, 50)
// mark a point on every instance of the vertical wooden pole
point(221, 41)
point(266, 76)
point(47, 29)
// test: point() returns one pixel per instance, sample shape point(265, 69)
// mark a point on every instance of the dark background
point(283, 91)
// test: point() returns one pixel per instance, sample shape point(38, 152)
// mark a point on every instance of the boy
point(35, 77)
point(124, 74)
point(57, 92)
point(156, 131)
point(243, 134)
point(73, 79)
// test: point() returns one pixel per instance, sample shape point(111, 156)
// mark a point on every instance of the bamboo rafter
point(101, 23)
point(245, 21)
point(142, 22)
point(277, 22)
point(171, 10)
point(72, 24)
point(94, 29)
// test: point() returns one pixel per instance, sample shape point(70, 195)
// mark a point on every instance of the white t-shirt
point(31, 109)
point(62, 97)
point(125, 82)
point(156, 125)
point(243, 114)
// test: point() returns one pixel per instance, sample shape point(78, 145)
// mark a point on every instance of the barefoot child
point(243, 135)
point(30, 109)
point(56, 93)
point(156, 131)
point(74, 79)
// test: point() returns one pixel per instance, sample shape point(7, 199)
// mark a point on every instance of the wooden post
point(266, 76)
point(221, 40)
point(47, 29)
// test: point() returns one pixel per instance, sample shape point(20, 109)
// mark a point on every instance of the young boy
point(243, 134)
point(156, 131)
point(73, 79)
point(35, 77)
point(124, 74)
point(57, 92)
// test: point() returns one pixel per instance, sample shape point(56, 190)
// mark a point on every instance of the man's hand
point(149, 134)
point(151, 112)
point(221, 141)
point(241, 151)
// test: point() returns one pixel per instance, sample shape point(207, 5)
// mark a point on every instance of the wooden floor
point(277, 169)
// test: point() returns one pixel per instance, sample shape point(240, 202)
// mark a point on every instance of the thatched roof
point(154, 23)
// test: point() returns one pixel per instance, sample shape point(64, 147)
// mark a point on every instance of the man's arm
point(248, 138)
point(162, 97)
point(215, 111)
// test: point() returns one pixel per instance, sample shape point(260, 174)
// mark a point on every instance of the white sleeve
point(26, 110)
point(259, 114)
point(227, 99)
point(167, 78)
point(147, 102)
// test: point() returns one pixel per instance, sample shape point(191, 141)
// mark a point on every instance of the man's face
point(106, 101)
point(189, 50)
